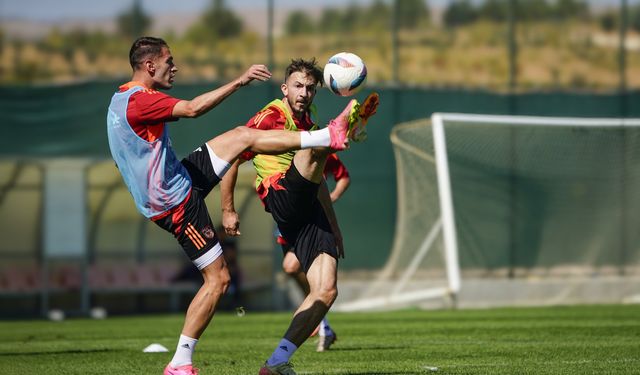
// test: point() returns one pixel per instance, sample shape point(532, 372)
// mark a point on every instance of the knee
point(290, 267)
point(320, 153)
point(328, 295)
point(243, 135)
point(219, 284)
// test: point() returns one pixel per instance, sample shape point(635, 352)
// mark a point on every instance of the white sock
point(325, 329)
point(220, 167)
point(283, 352)
point(316, 138)
point(184, 351)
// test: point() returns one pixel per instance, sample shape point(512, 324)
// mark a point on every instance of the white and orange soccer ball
point(345, 73)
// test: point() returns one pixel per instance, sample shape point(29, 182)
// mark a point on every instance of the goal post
point(401, 281)
point(512, 210)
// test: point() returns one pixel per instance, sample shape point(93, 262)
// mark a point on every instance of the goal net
point(513, 210)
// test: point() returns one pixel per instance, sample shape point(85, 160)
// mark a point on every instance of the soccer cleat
point(341, 126)
point(180, 370)
point(325, 342)
point(285, 368)
point(367, 109)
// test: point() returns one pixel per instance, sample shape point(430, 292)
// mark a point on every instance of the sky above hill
point(60, 10)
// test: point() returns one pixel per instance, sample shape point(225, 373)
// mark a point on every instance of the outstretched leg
point(335, 137)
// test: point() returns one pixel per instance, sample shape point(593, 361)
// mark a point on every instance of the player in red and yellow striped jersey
point(293, 190)
point(290, 265)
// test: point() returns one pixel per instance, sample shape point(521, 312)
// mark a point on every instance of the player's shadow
point(360, 348)
point(56, 352)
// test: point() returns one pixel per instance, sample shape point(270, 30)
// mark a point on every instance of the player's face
point(299, 91)
point(164, 70)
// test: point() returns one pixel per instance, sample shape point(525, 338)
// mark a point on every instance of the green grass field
point(550, 340)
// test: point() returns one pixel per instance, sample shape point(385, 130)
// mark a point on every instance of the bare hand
point(256, 71)
point(231, 223)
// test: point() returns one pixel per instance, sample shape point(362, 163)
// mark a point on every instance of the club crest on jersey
point(208, 232)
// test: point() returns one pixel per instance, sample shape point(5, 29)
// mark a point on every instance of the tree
point(221, 21)
point(532, 10)
point(351, 18)
point(609, 21)
point(570, 9)
point(460, 12)
point(411, 13)
point(494, 10)
point(378, 16)
point(134, 22)
point(634, 18)
point(298, 22)
point(330, 21)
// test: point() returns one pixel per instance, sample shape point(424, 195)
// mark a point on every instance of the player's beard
point(298, 109)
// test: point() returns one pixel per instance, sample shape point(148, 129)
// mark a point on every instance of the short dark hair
point(309, 67)
point(144, 47)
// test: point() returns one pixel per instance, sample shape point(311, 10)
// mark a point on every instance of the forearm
point(205, 102)
point(230, 219)
point(341, 186)
point(227, 186)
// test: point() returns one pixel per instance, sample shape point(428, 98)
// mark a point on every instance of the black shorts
point(301, 220)
point(189, 222)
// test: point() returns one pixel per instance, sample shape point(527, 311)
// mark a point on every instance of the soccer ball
point(345, 73)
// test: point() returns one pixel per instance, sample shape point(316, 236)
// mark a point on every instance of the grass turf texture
point(549, 340)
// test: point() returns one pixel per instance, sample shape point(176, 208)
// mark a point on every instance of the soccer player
point(170, 192)
point(292, 188)
point(336, 168)
point(290, 264)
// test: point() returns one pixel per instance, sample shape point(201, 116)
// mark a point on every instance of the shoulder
point(335, 166)
point(150, 94)
point(268, 117)
point(332, 162)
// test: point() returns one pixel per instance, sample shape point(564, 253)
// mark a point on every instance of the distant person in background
point(291, 265)
point(235, 274)
point(171, 192)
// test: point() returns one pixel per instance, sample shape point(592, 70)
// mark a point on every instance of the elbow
point(346, 183)
point(192, 111)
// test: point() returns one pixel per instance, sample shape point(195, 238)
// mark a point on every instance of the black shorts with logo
point(300, 217)
point(189, 222)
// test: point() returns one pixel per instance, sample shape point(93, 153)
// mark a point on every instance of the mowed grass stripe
point(544, 340)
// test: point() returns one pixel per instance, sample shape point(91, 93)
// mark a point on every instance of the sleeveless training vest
point(268, 165)
point(154, 176)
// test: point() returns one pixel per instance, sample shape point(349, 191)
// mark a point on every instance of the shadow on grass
point(70, 351)
point(361, 348)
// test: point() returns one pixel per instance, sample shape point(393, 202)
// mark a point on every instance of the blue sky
point(55, 10)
